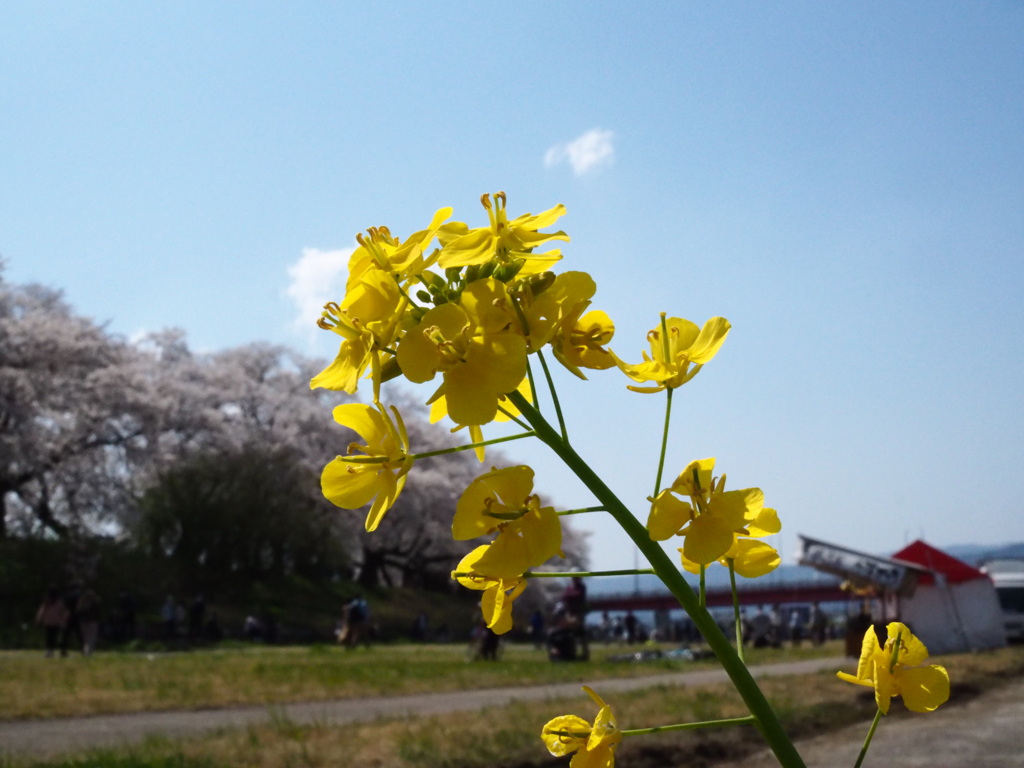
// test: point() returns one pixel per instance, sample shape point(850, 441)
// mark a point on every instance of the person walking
point(52, 617)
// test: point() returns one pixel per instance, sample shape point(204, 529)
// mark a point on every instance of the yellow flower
point(555, 315)
point(368, 319)
point(895, 670)
point(371, 315)
point(503, 240)
point(581, 342)
point(373, 471)
point(712, 517)
point(502, 500)
point(475, 345)
point(383, 252)
point(594, 745)
point(749, 558)
point(496, 604)
point(678, 351)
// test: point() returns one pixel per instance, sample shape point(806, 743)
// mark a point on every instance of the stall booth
point(951, 606)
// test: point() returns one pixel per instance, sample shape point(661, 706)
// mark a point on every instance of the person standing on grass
point(88, 610)
point(52, 616)
point(168, 616)
point(71, 624)
point(357, 622)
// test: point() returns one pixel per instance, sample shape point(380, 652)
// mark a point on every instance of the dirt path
point(986, 732)
point(50, 737)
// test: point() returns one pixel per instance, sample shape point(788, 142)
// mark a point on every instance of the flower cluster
point(466, 307)
point(717, 524)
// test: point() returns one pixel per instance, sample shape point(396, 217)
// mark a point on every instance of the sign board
point(885, 574)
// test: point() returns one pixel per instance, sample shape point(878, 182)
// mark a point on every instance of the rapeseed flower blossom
point(581, 342)
point(895, 669)
point(503, 240)
point(371, 315)
point(712, 517)
point(499, 593)
point(503, 501)
point(679, 349)
point(379, 250)
point(373, 470)
point(474, 344)
point(577, 341)
point(594, 745)
point(749, 558)
point(368, 320)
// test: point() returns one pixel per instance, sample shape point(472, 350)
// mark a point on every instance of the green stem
point(554, 395)
point(703, 589)
point(512, 417)
point(581, 510)
point(469, 447)
point(736, 609)
point(533, 386)
point(867, 741)
point(664, 440)
point(690, 726)
point(564, 574)
point(758, 706)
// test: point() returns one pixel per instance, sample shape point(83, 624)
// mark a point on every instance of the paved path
point(49, 737)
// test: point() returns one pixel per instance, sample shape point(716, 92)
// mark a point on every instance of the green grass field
point(34, 686)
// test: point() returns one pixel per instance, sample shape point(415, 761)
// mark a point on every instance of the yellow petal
point(363, 419)
point(668, 514)
point(736, 509)
point(560, 745)
point(347, 486)
point(468, 565)
point(885, 688)
point(344, 372)
point(685, 485)
point(912, 651)
point(765, 524)
point(707, 539)
point(474, 247)
point(710, 340)
point(870, 651)
point(498, 490)
point(924, 688)
point(754, 558)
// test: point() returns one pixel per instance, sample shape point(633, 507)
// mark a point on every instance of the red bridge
point(748, 595)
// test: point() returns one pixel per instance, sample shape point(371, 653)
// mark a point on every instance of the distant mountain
point(976, 554)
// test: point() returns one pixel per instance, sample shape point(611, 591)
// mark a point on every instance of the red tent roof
point(933, 559)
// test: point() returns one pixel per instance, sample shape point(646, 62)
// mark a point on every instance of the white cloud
point(589, 152)
point(316, 278)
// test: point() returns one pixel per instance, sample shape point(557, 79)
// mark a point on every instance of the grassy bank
point(507, 737)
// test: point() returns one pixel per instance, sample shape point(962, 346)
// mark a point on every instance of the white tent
point(951, 606)
point(955, 607)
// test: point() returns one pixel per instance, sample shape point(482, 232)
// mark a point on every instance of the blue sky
point(843, 181)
